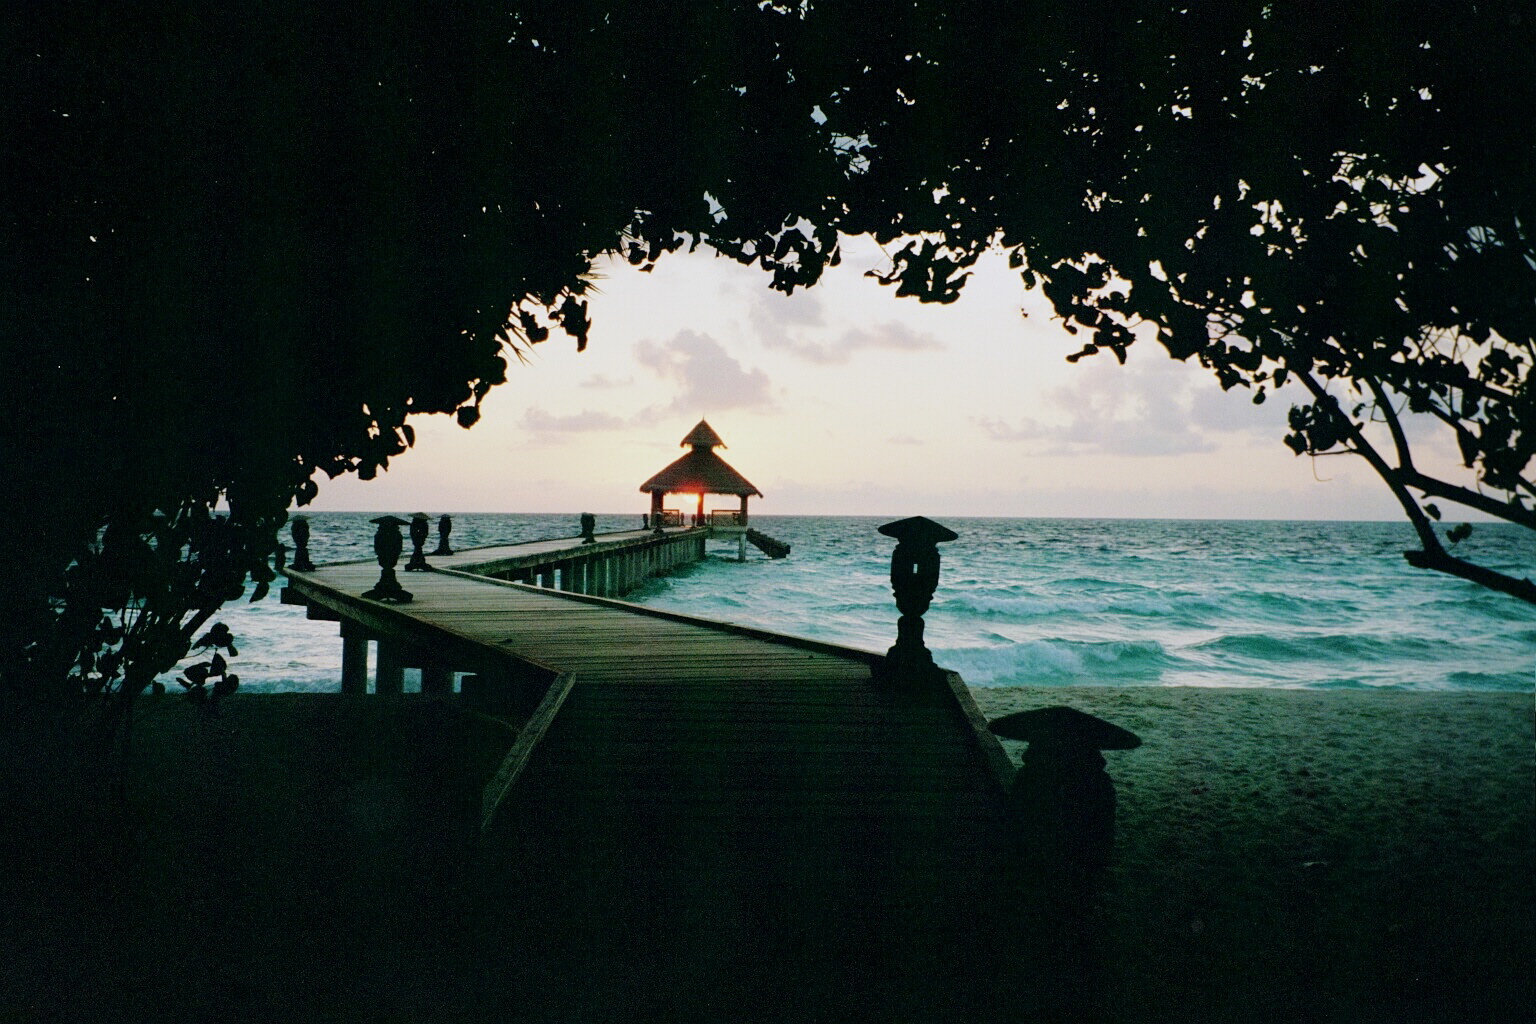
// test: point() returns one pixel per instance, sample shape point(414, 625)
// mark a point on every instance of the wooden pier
point(724, 796)
point(613, 564)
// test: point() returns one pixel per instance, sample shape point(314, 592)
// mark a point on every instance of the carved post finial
point(1063, 801)
point(588, 528)
point(914, 578)
point(300, 531)
point(387, 544)
point(419, 529)
point(444, 528)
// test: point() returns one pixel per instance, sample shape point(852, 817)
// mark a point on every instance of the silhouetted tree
point(1335, 195)
point(241, 244)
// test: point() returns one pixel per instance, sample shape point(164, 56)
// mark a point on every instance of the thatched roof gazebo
point(699, 472)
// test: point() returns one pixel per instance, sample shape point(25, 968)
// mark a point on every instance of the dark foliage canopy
point(242, 243)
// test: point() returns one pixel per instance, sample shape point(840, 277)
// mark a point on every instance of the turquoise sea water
point(1054, 601)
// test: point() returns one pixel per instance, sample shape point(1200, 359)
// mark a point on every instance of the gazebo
point(699, 472)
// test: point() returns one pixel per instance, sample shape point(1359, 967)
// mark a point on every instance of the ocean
point(1054, 602)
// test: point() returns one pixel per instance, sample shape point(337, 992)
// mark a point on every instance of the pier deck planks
point(740, 783)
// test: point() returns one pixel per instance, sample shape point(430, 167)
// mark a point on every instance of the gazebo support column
point(741, 519)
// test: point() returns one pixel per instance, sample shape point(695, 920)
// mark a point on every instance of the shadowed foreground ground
point(1282, 856)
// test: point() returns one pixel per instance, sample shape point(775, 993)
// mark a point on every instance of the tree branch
point(1463, 380)
point(1399, 439)
point(1434, 556)
point(1440, 560)
point(1388, 473)
point(1411, 476)
point(1507, 511)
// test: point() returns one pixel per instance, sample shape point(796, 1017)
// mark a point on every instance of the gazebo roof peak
point(700, 471)
point(702, 436)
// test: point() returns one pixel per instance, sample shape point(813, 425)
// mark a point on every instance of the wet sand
point(1286, 854)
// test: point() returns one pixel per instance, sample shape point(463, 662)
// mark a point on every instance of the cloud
point(576, 423)
point(774, 312)
point(1114, 411)
point(710, 377)
point(1027, 430)
point(599, 380)
point(784, 322)
point(1234, 412)
point(891, 336)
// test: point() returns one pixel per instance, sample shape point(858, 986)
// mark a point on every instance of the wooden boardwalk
point(720, 792)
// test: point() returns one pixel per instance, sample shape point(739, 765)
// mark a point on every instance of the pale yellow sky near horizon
point(845, 400)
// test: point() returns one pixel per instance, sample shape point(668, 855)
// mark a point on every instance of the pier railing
point(610, 566)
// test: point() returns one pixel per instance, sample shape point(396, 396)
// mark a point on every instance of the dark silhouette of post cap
point(1066, 726)
point(391, 521)
point(420, 515)
point(919, 530)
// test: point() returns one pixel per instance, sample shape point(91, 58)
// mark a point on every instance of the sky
point(846, 400)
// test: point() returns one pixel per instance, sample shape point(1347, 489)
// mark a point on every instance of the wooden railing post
point(436, 680)
point(388, 669)
point(354, 658)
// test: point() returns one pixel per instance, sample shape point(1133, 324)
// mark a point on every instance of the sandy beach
point(1290, 855)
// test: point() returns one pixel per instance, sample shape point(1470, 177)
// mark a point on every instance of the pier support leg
point(435, 679)
point(354, 661)
point(388, 670)
point(741, 548)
